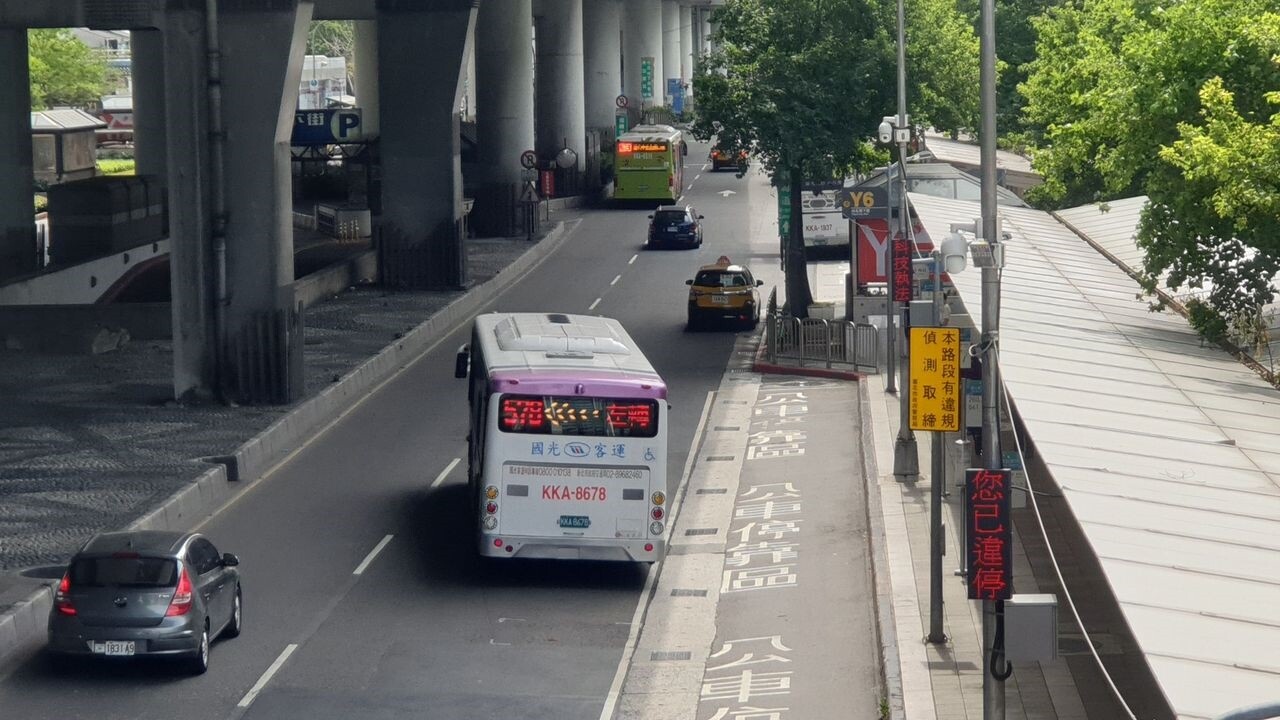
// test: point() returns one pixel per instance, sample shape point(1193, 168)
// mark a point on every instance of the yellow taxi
point(724, 292)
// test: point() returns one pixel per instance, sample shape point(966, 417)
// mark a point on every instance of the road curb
point(886, 633)
point(22, 626)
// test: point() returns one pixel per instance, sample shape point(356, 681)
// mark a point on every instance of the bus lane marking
point(249, 697)
point(768, 533)
point(445, 473)
point(368, 559)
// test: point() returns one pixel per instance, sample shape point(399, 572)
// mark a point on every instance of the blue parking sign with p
point(326, 126)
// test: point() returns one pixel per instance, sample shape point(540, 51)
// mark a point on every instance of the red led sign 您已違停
point(988, 534)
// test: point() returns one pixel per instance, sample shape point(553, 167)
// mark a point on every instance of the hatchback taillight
point(181, 602)
point(62, 599)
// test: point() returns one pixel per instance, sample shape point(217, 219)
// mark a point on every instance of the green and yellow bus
point(649, 164)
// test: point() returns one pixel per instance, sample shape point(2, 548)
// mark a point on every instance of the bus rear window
point(583, 416)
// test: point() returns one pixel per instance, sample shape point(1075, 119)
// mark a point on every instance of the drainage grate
point(719, 458)
point(682, 592)
point(728, 428)
point(660, 656)
point(701, 531)
point(713, 491)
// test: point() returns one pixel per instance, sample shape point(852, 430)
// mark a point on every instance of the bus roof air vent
point(559, 318)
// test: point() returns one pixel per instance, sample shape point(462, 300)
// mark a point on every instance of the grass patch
point(117, 167)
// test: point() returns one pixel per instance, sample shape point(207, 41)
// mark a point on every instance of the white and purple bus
point(568, 439)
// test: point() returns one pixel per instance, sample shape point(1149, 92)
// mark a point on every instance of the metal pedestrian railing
point(832, 343)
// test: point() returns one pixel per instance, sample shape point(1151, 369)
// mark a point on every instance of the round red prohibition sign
point(621, 101)
point(528, 159)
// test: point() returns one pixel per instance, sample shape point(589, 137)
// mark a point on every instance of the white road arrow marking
point(727, 193)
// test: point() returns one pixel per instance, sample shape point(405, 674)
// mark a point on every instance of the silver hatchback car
point(146, 593)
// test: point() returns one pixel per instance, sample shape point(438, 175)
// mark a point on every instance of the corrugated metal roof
point(64, 119)
point(967, 153)
point(1165, 450)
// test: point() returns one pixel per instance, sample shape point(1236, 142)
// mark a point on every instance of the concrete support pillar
point(560, 121)
point(149, 151)
point(686, 46)
point(641, 38)
point(712, 28)
point(504, 82)
point(705, 14)
point(18, 251)
point(421, 224)
point(602, 61)
point(670, 49)
point(366, 75)
point(186, 137)
point(261, 53)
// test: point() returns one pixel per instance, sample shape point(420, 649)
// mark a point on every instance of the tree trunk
point(799, 296)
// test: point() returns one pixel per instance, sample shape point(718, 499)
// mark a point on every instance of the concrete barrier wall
point(337, 277)
point(71, 328)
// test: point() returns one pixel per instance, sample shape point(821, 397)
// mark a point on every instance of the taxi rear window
point(720, 278)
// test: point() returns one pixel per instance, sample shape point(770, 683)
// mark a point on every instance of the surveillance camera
point(954, 250)
point(885, 132)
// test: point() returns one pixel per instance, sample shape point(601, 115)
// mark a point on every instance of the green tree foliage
point(1112, 80)
point(1015, 47)
point(332, 38)
point(802, 84)
point(64, 71)
point(1178, 101)
point(1214, 214)
point(942, 66)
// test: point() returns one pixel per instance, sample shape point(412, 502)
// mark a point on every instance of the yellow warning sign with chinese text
point(935, 396)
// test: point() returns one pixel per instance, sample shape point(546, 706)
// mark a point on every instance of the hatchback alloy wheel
point(233, 627)
point(200, 663)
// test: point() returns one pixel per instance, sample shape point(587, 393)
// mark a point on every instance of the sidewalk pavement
point(943, 682)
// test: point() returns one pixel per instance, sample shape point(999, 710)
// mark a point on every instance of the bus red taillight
point(657, 513)
point(181, 602)
point(62, 600)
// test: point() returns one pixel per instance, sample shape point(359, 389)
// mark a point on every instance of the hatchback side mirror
point(650, 217)
point(229, 560)
point(688, 282)
point(759, 283)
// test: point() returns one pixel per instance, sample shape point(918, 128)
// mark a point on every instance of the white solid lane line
point(633, 259)
point(633, 637)
point(593, 305)
point(364, 564)
point(615, 281)
point(266, 676)
point(445, 472)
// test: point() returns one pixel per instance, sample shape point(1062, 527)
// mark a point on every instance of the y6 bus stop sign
point(327, 127)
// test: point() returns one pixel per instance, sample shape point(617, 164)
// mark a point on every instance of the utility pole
point(992, 610)
point(937, 480)
point(906, 457)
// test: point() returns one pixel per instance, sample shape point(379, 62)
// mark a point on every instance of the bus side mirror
point(462, 363)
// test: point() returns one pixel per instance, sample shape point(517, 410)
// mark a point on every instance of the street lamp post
point(906, 456)
point(992, 610)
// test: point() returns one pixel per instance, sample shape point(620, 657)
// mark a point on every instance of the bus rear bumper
point(540, 548)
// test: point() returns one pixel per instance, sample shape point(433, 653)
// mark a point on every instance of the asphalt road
point(424, 629)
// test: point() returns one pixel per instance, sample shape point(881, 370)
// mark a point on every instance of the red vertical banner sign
point(902, 275)
point(988, 533)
